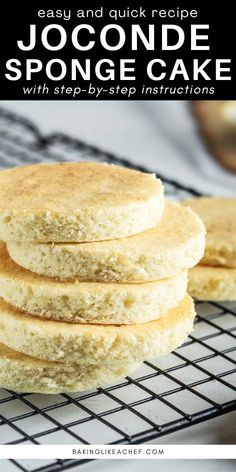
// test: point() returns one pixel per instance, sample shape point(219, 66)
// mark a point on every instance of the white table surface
point(161, 135)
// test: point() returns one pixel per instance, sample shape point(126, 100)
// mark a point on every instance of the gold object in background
point(217, 123)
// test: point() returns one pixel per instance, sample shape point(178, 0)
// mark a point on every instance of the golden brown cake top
point(74, 185)
point(217, 213)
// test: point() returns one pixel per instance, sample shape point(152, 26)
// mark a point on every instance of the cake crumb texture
point(76, 301)
point(95, 344)
point(219, 217)
point(24, 374)
point(77, 201)
point(212, 283)
point(176, 243)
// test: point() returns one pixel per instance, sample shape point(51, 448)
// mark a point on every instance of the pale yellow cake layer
point(77, 202)
point(176, 243)
point(23, 374)
point(212, 283)
point(219, 217)
point(76, 301)
point(93, 343)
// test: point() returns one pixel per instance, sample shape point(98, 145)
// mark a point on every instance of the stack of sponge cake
point(214, 278)
point(93, 274)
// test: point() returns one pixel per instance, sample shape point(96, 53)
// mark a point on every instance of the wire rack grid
point(191, 385)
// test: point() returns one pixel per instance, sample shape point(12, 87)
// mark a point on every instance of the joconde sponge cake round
point(93, 343)
point(176, 243)
point(219, 217)
point(25, 374)
point(76, 202)
point(76, 301)
point(212, 283)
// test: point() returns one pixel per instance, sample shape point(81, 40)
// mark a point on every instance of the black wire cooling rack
point(193, 384)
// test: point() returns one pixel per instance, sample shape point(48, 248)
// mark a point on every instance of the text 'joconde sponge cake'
point(77, 202)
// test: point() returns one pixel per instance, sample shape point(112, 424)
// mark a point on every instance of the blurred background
point(194, 143)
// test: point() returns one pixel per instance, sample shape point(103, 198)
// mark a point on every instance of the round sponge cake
point(93, 343)
point(77, 202)
point(219, 217)
point(212, 283)
point(76, 301)
point(176, 243)
point(25, 374)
